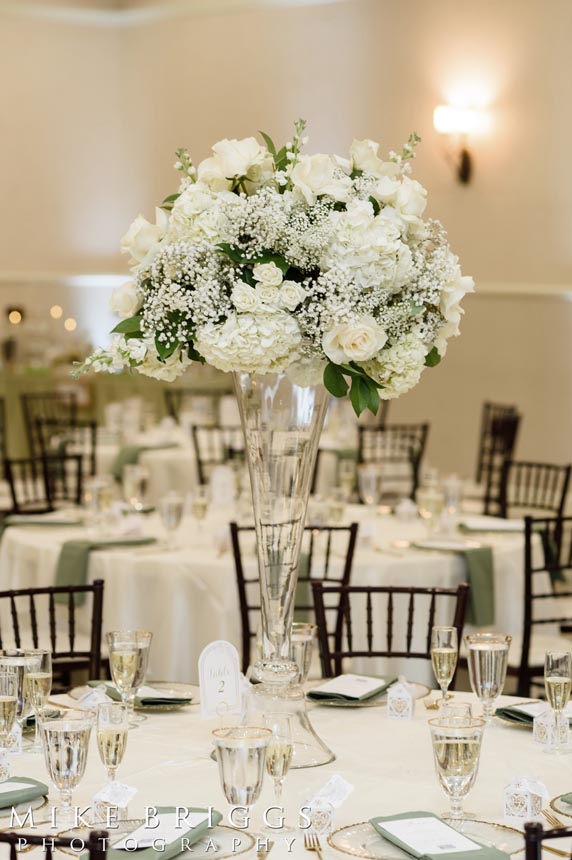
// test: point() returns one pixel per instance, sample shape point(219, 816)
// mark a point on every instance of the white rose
point(411, 198)
point(211, 174)
point(268, 274)
point(126, 300)
point(142, 239)
point(364, 157)
point(451, 295)
point(358, 340)
point(241, 157)
point(268, 295)
point(245, 298)
point(291, 295)
point(315, 175)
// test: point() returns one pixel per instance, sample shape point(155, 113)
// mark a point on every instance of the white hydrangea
point(167, 370)
point(251, 343)
point(398, 368)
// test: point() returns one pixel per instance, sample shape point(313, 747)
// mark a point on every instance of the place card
point(523, 798)
point(400, 704)
point(336, 791)
point(112, 802)
point(219, 680)
point(424, 835)
point(352, 688)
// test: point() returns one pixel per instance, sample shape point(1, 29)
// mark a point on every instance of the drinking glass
point(112, 728)
point(301, 648)
point(37, 687)
point(19, 661)
point(8, 704)
point(453, 489)
point(200, 503)
point(135, 478)
point(171, 509)
point(456, 751)
point(347, 476)
point(369, 478)
point(455, 711)
point(99, 496)
point(279, 751)
point(488, 659)
point(557, 682)
point(444, 652)
point(241, 756)
point(65, 739)
point(128, 659)
point(430, 502)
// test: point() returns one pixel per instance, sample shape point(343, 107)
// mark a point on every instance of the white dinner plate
point(453, 544)
point(419, 692)
point(177, 690)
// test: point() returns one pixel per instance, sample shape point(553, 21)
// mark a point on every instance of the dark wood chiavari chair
point(400, 643)
point(318, 564)
point(527, 486)
point(46, 404)
point(535, 835)
point(25, 612)
point(492, 425)
point(395, 445)
point(95, 846)
point(499, 450)
point(64, 436)
point(41, 484)
point(215, 446)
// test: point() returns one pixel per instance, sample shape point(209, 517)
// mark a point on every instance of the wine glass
point(279, 751)
point(456, 751)
point(462, 711)
point(488, 660)
point(347, 476)
point(135, 478)
point(444, 652)
point(557, 682)
point(19, 661)
point(112, 728)
point(37, 687)
point(241, 755)
point(369, 479)
point(8, 704)
point(128, 659)
point(430, 502)
point(65, 738)
point(199, 503)
point(171, 509)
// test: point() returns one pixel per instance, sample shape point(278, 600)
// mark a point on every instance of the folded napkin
point(129, 455)
point(490, 524)
point(37, 520)
point(350, 688)
point(480, 574)
point(513, 715)
point(567, 798)
point(525, 714)
point(143, 701)
point(166, 833)
point(74, 560)
point(440, 838)
point(20, 789)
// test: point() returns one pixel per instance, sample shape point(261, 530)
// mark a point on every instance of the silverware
point(433, 704)
point(552, 819)
point(312, 843)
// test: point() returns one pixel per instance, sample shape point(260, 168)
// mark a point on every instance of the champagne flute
point(488, 660)
point(369, 478)
point(8, 704)
point(37, 688)
point(171, 508)
point(200, 503)
point(128, 659)
point(65, 739)
point(558, 683)
point(112, 729)
point(135, 478)
point(430, 501)
point(241, 755)
point(456, 751)
point(19, 661)
point(279, 751)
point(444, 653)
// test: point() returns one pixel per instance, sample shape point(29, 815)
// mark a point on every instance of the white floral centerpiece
point(272, 261)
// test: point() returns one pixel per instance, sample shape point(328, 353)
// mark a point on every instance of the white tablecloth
point(389, 763)
point(188, 597)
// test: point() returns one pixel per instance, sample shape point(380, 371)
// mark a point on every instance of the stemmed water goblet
point(65, 739)
point(430, 502)
point(301, 648)
point(558, 683)
point(200, 503)
point(128, 660)
point(241, 755)
point(487, 655)
point(112, 729)
point(456, 752)
point(37, 687)
point(444, 653)
point(171, 509)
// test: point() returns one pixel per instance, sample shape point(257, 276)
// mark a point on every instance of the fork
point(312, 843)
point(552, 819)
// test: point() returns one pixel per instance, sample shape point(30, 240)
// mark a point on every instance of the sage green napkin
point(129, 455)
point(323, 695)
point(486, 852)
point(567, 798)
point(515, 716)
point(143, 702)
point(22, 795)
point(74, 560)
point(37, 520)
point(171, 849)
point(480, 574)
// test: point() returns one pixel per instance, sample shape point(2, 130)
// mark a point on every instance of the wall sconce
point(15, 315)
point(458, 123)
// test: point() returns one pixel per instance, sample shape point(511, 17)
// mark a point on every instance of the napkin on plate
point(191, 831)
point(482, 523)
point(37, 520)
point(20, 789)
point(350, 688)
point(153, 697)
point(74, 559)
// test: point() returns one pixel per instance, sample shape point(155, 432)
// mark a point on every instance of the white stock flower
point(398, 368)
point(245, 298)
point(167, 370)
point(363, 154)
point(315, 175)
point(291, 295)
point(142, 239)
point(252, 343)
point(358, 340)
point(411, 198)
point(127, 299)
point(268, 274)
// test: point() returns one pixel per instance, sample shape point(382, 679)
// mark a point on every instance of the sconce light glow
point(70, 324)
point(56, 312)
point(448, 119)
point(15, 317)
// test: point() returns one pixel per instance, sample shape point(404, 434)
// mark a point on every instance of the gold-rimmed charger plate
point(363, 840)
point(222, 837)
point(559, 806)
point(419, 692)
point(178, 689)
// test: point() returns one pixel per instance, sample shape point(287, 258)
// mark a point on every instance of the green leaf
point(359, 395)
point(356, 173)
point(248, 277)
point(232, 252)
point(269, 142)
point(432, 358)
point(334, 381)
point(416, 309)
point(281, 158)
point(131, 326)
point(373, 404)
point(375, 204)
point(194, 355)
point(164, 351)
point(172, 197)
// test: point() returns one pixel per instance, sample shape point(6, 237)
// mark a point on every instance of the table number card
point(219, 679)
point(400, 702)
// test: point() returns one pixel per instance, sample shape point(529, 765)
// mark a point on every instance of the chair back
point(49, 618)
point(40, 484)
point(215, 446)
point(322, 559)
point(95, 845)
point(535, 835)
point(500, 444)
point(46, 404)
point(399, 448)
point(530, 486)
point(361, 632)
point(492, 425)
point(65, 436)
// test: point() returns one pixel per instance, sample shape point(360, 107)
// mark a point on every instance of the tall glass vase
point(282, 423)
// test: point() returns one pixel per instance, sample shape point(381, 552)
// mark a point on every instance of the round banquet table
point(389, 763)
point(188, 596)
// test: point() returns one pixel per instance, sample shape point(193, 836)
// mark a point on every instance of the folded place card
point(351, 688)
point(167, 835)
point(423, 834)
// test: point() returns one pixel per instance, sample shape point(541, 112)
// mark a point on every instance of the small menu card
point(423, 834)
point(166, 838)
point(351, 688)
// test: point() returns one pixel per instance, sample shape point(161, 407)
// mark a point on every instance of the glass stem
point(557, 729)
point(111, 773)
point(37, 743)
point(444, 689)
point(456, 804)
point(65, 811)
point(278, 783)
